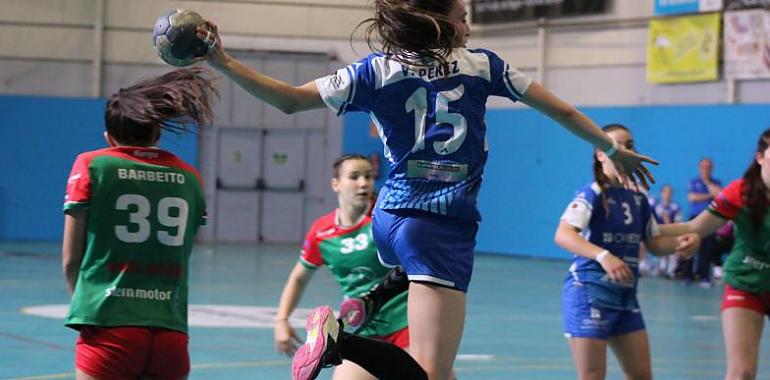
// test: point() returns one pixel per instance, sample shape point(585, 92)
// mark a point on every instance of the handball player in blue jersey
point(603, 227)
point(426, 93)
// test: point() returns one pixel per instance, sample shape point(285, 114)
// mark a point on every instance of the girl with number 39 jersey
point(427, 94)
point(131, 214)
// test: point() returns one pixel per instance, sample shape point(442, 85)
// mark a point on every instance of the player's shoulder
point(324, 225)
point(484, 51)
point(91, 154)
point(735, 191)
point(589, 191)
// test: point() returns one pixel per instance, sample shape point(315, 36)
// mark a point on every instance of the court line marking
point(34, 341)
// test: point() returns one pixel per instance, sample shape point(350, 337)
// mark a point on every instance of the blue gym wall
point(41, 137)
point(535, 166)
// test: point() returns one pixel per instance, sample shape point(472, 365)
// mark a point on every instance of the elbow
point(566, 112)
point(293, 101)
point(288, 109)
point(558, 239)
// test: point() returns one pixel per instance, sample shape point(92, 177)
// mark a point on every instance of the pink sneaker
point(320, 349)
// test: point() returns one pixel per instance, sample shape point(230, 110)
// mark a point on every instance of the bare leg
point(436, 321)
point(742, 330)
point(633, 353)
point(590, 357)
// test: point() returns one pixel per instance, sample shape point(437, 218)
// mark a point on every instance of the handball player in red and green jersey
point(746, 300)
point(342, 241)
point(131, 214)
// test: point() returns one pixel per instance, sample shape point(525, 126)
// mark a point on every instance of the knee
point(437, 373)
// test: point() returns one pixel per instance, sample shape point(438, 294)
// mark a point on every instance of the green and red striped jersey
point(144, 207)
point(748, 265)
point(351, 256)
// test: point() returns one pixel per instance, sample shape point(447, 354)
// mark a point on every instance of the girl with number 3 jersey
point(603, 226)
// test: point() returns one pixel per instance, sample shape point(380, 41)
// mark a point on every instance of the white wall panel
point(282, 68)
point(626, 85)
point(757, 91)
point(45, 42)
point(309, 70)
point(121, 75)
point(319, 19)
point(247, 110)
point(282, 217)
point(68, 12)
point(45, 78)
point(237, 216)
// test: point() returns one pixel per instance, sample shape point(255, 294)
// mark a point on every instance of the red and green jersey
point(748, 266)
point(144, 207)
point(351, 256)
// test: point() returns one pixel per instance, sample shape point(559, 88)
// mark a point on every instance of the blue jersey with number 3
point(431, 120)
point(618, 220)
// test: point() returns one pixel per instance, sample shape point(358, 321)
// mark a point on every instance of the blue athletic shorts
point(583, 320)
point(430, 247)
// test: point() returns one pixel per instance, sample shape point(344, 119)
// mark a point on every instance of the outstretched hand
point(631, 169)
point(209, 34)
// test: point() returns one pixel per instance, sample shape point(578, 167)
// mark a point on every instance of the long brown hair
point(413, 32)
point(135, 115)
point(756, 190)
point(599, 176)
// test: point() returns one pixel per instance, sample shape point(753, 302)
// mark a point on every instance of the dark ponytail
point(409, 31)
point(601, 179)
point(172, 101)
point(756, 190)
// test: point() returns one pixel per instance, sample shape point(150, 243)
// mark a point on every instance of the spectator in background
point(725, 237)
point(700, 192)
point(666, 212)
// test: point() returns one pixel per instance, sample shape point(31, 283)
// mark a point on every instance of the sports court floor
point(513, 330)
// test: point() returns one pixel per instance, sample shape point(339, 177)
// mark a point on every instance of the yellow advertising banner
point(683, 49)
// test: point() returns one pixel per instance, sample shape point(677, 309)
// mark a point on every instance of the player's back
point(144, 208)
point(431, 120)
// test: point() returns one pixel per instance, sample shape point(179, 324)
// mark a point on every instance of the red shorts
point(399, 338)
point(131, 352)
point(759, 302)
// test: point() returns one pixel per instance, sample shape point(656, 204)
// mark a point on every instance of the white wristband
point(601, 256)
point(614, 149)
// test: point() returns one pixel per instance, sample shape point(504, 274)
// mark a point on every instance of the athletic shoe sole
point(322, 332)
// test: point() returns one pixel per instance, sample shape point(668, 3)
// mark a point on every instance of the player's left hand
point(631, 169)
point(687, 245)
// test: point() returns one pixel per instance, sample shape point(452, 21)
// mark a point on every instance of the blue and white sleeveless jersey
point(431, 121)
point(618, 220)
